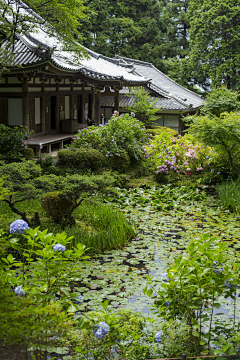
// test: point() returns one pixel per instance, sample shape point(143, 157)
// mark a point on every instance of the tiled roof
point(39, 47)
point(124, 101)
point(162, 84)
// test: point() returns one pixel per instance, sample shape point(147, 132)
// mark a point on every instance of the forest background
point(194, 42)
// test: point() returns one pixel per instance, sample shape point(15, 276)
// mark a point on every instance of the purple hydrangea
point(18, 226)
point(101, 330)
point(59, 247)
point(78, 300)
point(18, 290)
point(132, 113)
point(158, 336)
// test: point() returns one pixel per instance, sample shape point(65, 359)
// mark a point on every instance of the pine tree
point(175, 24)
point(215, 42)
point(129, 28)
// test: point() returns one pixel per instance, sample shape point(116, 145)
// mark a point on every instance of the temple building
point(47, 90)
point(173, 98)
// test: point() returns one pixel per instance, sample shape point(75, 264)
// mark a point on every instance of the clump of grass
point(98, 226)
point(229, 194)
point(101, 227)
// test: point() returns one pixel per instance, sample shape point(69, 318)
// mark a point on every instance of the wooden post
point(43, 109)
point(82, 109)
point(97, 106)
point(25, 104)
point(57, 108)
point(71, 106)
point(92, 106)
point(116, 100)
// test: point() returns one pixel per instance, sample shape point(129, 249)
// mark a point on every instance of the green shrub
point(28, 153)
point(20, 172)
point(120, 162)
point(157, 130)
point(55, 206)
point(45, 161)
point(122, 133)
point(83, 158)
point(125, 338)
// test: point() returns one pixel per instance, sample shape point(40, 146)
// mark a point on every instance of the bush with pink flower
point(179, 155)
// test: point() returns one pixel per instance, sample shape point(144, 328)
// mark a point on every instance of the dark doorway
point(79, 108)
point(53, 112)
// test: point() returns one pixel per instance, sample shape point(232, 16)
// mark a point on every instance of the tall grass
point(229, 194)
point(98, 226)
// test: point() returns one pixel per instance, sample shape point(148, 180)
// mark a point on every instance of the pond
point(166, 220)
point(121, 275)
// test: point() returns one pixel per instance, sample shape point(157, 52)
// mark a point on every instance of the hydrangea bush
point(13, 142)
point(181, 155)
point(123, 134)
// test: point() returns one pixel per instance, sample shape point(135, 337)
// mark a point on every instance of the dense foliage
point(82, 158)
point(204, 262)
point(120, 140)
point(126, 28)
point(143, 106)
point(14, 142)
point(220, 125)
point(214, 42)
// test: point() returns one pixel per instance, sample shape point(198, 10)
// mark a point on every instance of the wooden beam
point(108, 93)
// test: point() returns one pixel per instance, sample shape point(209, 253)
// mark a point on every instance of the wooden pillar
point(92, 106)
point(25, 104)
point(43, 109)
point(71, 106)
point(57, 108)
point(97, 106)
point(82, 108)
point(116, 100)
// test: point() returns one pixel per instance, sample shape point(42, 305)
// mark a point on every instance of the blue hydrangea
point(59, 247)
point(167, 304)
point(101, 330)
point(212, 170)
point(158, 336)
point(18, 226)
point(18, 290)
point(164, 276)
point(218, 173)
point(207, 157)
point(78, 300)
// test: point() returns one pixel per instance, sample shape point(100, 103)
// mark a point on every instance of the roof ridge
point(151, 65)
point(134, 60)
point(192, 92)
